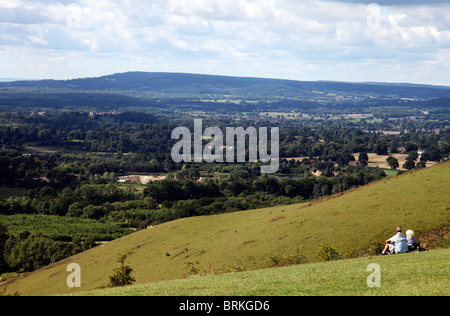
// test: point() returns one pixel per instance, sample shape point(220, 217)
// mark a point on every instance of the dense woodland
point(67, 163)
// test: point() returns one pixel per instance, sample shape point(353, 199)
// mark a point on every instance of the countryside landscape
point(86, 187)
point(224, 149)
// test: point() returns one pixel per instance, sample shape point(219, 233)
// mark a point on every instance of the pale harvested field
point(376, 160)
point(42, 150)
point(380, 160)
point(141, 179)
point(296, 158)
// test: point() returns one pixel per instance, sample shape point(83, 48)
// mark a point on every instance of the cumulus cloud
point(309, 39)
point(395, 2)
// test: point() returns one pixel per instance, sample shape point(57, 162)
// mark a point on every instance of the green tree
point(3, 238)
point(363, 159)
point(392, 162)
point(122, 275)
point(409, 164)
point(381, 148)
point(412, 155)
point(290, 190)
point(421, 164)
point(35, 251)
point(411, 147)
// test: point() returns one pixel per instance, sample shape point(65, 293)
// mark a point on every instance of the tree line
point(118, 203)
point(149, 135)
point(27, 252)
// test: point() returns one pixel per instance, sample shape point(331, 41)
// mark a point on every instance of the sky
point(339, 40)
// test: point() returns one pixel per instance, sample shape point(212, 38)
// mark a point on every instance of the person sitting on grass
point(396, 244)
point(412, 242)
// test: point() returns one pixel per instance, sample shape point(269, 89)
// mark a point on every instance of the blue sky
point(342, 40)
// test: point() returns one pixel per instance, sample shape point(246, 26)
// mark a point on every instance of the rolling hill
point(215, 84)
point(143, 88)
point(352, 223)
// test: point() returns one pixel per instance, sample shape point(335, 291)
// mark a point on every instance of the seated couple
point(400, 243)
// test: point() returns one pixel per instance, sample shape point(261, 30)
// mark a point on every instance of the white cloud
point(223, 10)
point(10, 4)
point(39, 41)
point(309, 39)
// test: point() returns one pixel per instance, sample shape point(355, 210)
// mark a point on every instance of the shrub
point(281, 260)
point(377, 248)
point(122, 276)
point(328, 253)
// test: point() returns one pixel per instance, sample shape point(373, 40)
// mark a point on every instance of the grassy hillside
point(422, 274)
point(351, 222)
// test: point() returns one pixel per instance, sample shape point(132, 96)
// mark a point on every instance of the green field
point(63, 228)
point(391, 173)
point(422, 274)
point(6, 193)
point(353, 223)
point(31, 147)
point(284, 115)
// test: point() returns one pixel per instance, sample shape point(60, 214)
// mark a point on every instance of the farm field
point(379, 161)
point(300, 116)
point(8, 192)
point(354, 223)
point(63, 228)
point(141, 179)
point(289, 116)
point(376, 160)
point(31, 147)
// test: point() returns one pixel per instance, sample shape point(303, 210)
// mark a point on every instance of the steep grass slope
point(350, 222)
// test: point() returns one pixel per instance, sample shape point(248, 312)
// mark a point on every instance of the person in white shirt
point(396, 244)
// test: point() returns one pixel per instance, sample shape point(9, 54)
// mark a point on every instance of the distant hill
point(138, 88)
point(9, 79)
point(351, 222)
point(212, 84)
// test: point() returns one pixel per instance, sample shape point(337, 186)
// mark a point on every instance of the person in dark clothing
point(412, 242)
